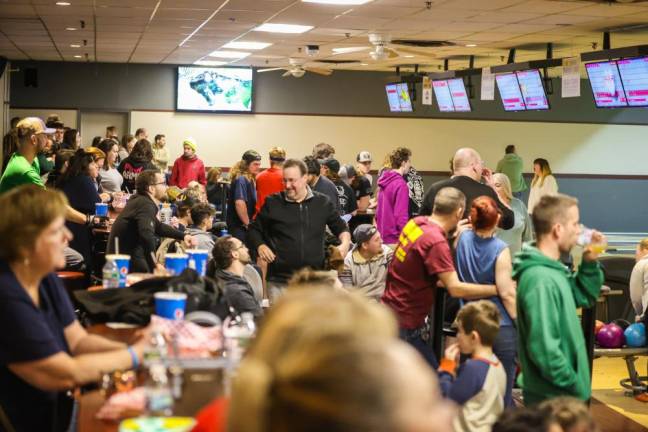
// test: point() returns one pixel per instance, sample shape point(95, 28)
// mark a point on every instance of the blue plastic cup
point(123, 264)
point(101, 209)
point(170, 305)
point(198, 260)
point(176, 263)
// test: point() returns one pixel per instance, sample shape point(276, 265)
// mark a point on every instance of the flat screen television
point(443, 96)
point(214, 89)
point(533, 91)
point(634, 76)
point(606, 84)
point(392, 97)
point(404, 97)
point(459, 95)
point(510, 93)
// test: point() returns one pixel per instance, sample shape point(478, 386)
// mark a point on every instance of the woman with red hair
point(482, 258)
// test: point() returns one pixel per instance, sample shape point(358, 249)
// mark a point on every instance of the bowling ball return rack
point(634, 384)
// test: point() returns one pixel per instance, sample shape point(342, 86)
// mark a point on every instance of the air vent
point(422, 43)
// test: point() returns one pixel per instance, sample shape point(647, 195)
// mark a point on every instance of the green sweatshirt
point(511, 165)
point(551, 346)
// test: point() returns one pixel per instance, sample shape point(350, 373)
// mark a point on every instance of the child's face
point(467, 342)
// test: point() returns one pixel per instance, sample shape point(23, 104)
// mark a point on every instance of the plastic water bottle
point(238, 332)
point(110, 274)
point(166, 214)
point(159, 399)
point(157, 350)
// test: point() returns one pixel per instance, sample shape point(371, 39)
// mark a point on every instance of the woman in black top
point(140, 159)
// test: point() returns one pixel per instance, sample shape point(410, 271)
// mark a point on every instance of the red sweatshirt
point(187, 170)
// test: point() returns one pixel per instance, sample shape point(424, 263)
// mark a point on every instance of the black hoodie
point(295, 232)
point(239, 293)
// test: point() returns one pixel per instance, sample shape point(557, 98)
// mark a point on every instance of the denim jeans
point(413, 337)
point(505, 348)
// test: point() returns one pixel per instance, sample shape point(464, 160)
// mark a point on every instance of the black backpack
point(135, 304)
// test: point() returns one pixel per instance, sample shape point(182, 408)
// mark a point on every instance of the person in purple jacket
point(393, 200)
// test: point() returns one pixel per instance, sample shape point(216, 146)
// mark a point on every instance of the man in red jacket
point(270, 181)
point(188, 167)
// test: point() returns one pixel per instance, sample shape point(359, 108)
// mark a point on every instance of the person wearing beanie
point(365, 266)
point(188, 167)
point(243, 195)
point(270, 181)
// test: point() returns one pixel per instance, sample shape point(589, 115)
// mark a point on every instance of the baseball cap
point(332, 164)
point(364, 156)
point(347, 172)
point(251, 156)
point(277, 154)
point(363, 233)
point(34, 124)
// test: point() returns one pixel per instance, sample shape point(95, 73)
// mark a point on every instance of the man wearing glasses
point(138, 228)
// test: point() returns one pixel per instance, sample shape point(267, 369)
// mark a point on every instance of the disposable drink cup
point(170, 305)
point(176, 263)
point(198, 260)
point(123, 264)
point(101, 209)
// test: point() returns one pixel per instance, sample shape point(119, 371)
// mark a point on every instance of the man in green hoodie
point(511, 165)
point(551, 345)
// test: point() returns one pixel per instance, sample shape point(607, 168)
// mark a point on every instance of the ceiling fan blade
point(391, 53)
point(413, 51)
point(350, 50)
point(287, 73)
point(319, 71)
point(270, 69)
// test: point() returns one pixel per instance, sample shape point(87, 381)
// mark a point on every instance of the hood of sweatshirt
point(388, 178)
point(229, 278)
point(530, 256)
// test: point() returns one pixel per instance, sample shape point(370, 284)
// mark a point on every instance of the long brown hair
point(241, 168)
point(545, 170)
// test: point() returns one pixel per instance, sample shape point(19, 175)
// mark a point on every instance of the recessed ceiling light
point(229, 54)
point(63, 3)
point(339, 2)
point(70, 28)
point(471, 45)
point(210, 63)
point(78, 56)
point(283, 28)
point(364, 64)
point(247, 45)
point(75, 46)
point(408, 56)
point(347, 50)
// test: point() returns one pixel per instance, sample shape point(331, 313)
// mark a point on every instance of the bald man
point(468, 170)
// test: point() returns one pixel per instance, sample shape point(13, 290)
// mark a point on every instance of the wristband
point(133, 355)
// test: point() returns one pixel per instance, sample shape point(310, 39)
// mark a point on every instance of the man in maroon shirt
point(422, 259)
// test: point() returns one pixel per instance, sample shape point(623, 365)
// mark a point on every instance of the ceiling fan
point(383, 48)
point(297, 69)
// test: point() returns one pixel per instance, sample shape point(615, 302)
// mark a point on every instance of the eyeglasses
point(159, 183)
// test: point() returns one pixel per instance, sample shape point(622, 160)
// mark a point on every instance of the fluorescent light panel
point(229, 54)
point(63, 3)
point(210, 63)
point(247, 45)
point(347, 50)
point(339, 2)
point(283, 28)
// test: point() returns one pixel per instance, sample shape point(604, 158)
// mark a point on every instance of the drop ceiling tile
point(390, 12)
point(63, 11)
point(411, 24)
point(489, 37)
point(562, 19)
point(358, 22)
point(606, 10)
point(124, 12)
point(501, 17)
point(258, 5)
point(545, 7)
point(479, 5)
point(467, 26)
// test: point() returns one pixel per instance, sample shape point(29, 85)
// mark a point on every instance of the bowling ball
point(610, 336)
point(621, 323)
point(635, 335)
point(598, 326)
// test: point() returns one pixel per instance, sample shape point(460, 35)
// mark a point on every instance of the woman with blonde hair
point(522, 230)
point(330, 361)
point(44, 351)
point(543, 183)
point(242, 197)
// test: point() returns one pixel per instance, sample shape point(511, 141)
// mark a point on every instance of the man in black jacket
point(137, 226)
point(289, 231)
point(230, 258)
point(468, 170)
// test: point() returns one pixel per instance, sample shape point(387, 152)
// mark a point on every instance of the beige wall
point(570, 148)
point(94, 124)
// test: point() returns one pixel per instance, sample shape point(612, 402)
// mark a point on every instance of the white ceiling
point(153, 31)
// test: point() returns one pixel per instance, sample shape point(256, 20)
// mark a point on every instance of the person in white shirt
point(543, 183)
point(639, 280)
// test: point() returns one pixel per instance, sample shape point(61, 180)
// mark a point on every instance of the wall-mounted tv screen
point(532, 89)
point(443, 97)
point(398, 97)
point(459, 95)
point(606, 84)
point(510, 92)
point(214, 89)
point(634, 76)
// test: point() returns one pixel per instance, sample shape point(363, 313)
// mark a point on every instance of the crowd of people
point(346, 345)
